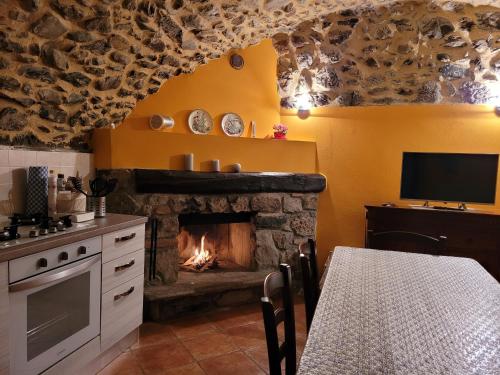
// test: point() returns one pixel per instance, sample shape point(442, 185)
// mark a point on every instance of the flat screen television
point(443, 177)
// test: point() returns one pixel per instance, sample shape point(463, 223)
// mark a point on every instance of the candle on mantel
point(215, 165)
point(188, 162)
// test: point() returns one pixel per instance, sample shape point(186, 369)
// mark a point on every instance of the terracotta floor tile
point(247, 336)
point(153, 334)
point(191, 326)
point(236, 363)
point(155, 359)
point(192, 369)
point(259, 356)
point(225, 341)
point(209, 345)
point(232, 317)
point(125, 364)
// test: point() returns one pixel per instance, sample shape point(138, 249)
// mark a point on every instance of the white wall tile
point(43, 158)
point(22, 158)
point(4, 158)
point(13, 173)
point(5, 204)
point(5, 175)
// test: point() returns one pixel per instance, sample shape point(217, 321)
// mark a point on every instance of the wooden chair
point(310, 281)
point(410, 242)
point(279, 284)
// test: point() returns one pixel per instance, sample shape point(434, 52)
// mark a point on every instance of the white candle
point(236, 167)
point(253, 128)
point(215, 165)
point(188, 162)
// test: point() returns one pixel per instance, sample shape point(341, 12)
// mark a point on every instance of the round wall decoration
point(200, 122)
point(236, 61)
point(232, 125)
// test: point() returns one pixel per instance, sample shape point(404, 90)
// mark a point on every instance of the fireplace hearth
point(240, 236)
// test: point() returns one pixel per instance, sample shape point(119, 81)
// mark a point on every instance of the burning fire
point(201, 256)
point(201, 260)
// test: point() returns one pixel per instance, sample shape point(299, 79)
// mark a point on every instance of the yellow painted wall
point(129, 148)
point(358, 149)
point(218, 88)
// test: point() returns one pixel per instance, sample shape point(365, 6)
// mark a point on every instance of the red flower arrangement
point(280, 131)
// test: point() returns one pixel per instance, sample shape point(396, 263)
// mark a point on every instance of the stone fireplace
point(247, 223)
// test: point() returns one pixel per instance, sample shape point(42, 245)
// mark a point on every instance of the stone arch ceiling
point(69, 66)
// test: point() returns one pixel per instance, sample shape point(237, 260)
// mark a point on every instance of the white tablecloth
point(385, 312)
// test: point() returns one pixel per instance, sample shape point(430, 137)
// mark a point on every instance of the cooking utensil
point(110, 187)
point(98, 185)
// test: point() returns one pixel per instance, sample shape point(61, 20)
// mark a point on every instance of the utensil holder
point(97, 205)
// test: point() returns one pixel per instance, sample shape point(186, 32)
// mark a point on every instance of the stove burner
point(9, 233)
point(40, 226)
point(21, 220)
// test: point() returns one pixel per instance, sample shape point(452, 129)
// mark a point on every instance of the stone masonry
point(282, 220)
point(405, 52)
point(69, 66)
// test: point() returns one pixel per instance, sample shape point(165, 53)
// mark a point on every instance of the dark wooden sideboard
point(471, 234)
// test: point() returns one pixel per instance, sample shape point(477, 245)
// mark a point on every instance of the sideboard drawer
point(120, 270)
point(121, 311)
point(122, 242)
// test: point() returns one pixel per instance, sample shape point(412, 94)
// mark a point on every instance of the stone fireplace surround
point(283, 210)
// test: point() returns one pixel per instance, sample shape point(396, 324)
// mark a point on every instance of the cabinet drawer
point(121, 311)
point(21, 268)
point(122, 242)
point(120, 270)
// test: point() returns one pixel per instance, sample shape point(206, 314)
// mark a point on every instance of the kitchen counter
point(108, 224)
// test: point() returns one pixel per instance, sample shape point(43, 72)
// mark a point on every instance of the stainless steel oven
point(54, 312)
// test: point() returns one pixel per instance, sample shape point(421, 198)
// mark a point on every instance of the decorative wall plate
point(200, 122)
point(232, 125)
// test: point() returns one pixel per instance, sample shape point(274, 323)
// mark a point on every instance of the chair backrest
point(410, 242)
point(310, 281)
point(279, 284)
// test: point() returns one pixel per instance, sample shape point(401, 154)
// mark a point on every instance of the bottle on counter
point(52, 194)
point(61, 184)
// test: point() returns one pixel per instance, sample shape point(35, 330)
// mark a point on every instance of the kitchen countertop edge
point(108, 224)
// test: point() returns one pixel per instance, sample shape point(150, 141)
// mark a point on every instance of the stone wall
point(68, 66)
point(407, 52)
point(282, 221)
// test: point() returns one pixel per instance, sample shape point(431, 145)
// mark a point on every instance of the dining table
point(391, 312)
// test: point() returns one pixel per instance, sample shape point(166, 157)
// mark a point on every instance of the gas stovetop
point(26, 229)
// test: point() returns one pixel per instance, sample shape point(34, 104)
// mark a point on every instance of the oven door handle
point(43, 280)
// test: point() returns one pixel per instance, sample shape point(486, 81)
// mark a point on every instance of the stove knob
point(34, 233)
point(67, 221)
point(82, 250)
point(44, 231)
point(53, 230)
point(63, 256)
point(61, 227)
point(42, 263)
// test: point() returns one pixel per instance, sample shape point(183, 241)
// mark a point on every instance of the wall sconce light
point(303, 105)
point(159, 122)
